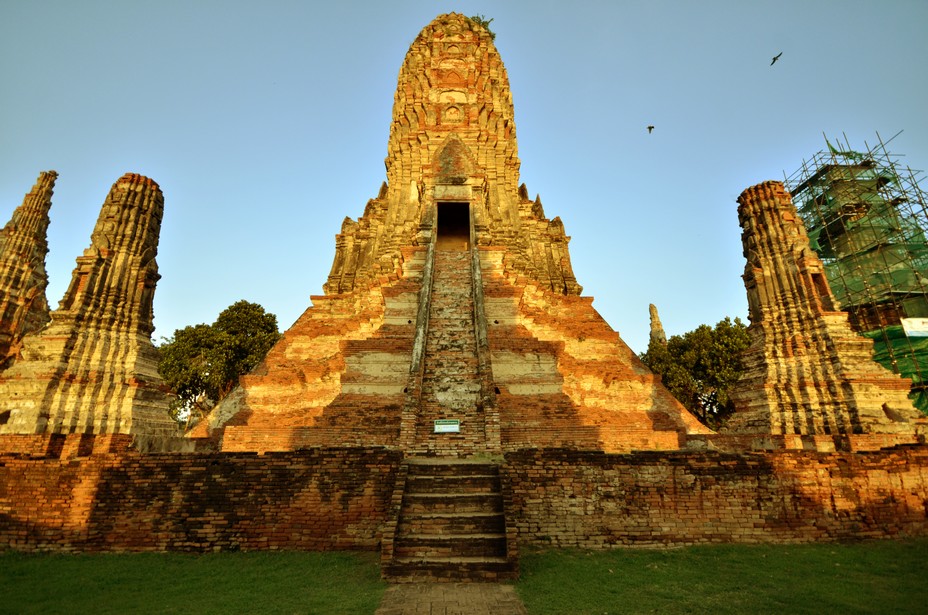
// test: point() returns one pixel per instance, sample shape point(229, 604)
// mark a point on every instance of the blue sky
point(266, 124)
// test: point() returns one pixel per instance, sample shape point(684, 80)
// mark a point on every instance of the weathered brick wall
point(306, 500)
point(339, 499)
point(593, 500)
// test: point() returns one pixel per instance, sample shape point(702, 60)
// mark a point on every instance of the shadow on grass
point(255, 582)
point(867, 577)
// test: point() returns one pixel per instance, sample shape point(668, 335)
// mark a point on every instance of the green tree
point(700, 366)
point(202, 363)
point(480, 20)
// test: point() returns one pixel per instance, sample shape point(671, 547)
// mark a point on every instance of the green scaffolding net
point(866, 219)
point(908, 356)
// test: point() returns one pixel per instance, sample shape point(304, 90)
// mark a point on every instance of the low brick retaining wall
point(317, 499)
point(339, 498)
point(593, 500)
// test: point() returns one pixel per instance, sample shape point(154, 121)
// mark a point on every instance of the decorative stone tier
point(336, 377)
point(23, 280)
point(806, 371)
point(562, 376)
point(566, 378)
point(94, 368)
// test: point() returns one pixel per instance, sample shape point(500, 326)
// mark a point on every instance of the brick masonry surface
point(322, 499)
point(594, 500)
point(317, 499)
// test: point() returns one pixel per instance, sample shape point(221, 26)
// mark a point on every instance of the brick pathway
point(451, 599)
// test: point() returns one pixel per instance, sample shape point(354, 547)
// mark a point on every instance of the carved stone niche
point(452, 114)
point(452, 72)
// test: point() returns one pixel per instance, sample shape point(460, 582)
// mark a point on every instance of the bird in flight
point(775, 58)
point(650, 128)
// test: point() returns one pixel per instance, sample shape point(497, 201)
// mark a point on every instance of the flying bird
point(775, 58)
point(650, 128)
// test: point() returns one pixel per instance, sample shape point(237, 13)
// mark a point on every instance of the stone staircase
point(450, 383)
point(449, 524)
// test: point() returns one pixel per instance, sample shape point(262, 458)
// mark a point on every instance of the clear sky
point(266, 123)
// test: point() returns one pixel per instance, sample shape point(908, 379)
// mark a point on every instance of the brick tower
point(452, 323)
point(23, 280)
point(806, 371)
point(93, 369)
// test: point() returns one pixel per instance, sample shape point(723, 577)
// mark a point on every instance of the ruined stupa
point(93, 369)
point(807, 374)
point(23, 280)
point(451, 326)
point(452, 323)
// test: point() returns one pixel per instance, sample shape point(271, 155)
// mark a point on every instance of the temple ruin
point(451, 303)
point(451, 396)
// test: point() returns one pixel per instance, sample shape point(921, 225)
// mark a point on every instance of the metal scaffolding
point(867, 218)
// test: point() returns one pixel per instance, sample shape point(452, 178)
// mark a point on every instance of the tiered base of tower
point(558, 375)
point(336, 378)
point(565, 378)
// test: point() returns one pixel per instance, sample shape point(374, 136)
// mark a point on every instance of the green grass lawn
point(869, 577)
point(267, 582)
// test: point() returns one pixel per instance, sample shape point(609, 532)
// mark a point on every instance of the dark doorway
point(453, 227)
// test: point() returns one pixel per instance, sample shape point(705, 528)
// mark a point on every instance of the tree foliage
point(700, 366)
point(480, 20)
point(202, 363)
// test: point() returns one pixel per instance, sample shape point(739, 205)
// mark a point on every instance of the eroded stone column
point(806, 371)
point(23, 280)
point(657, 329)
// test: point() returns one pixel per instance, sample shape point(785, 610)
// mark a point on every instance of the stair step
point(428, 467)
point(452, 502)
point(450, 523)
point(468, 483)
point(464, 545)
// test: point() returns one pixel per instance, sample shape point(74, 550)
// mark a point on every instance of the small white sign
point(915, 327)
point(447, 426)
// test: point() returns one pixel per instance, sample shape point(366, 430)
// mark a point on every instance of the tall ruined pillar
point(657, 329)
point(94, 368)
point(806, 371)
point(23, 280)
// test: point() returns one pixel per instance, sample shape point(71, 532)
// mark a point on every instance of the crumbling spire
point(23, 280)
point(94, 369)
point(806, 371)
point(452, 139)
point(657, 330)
